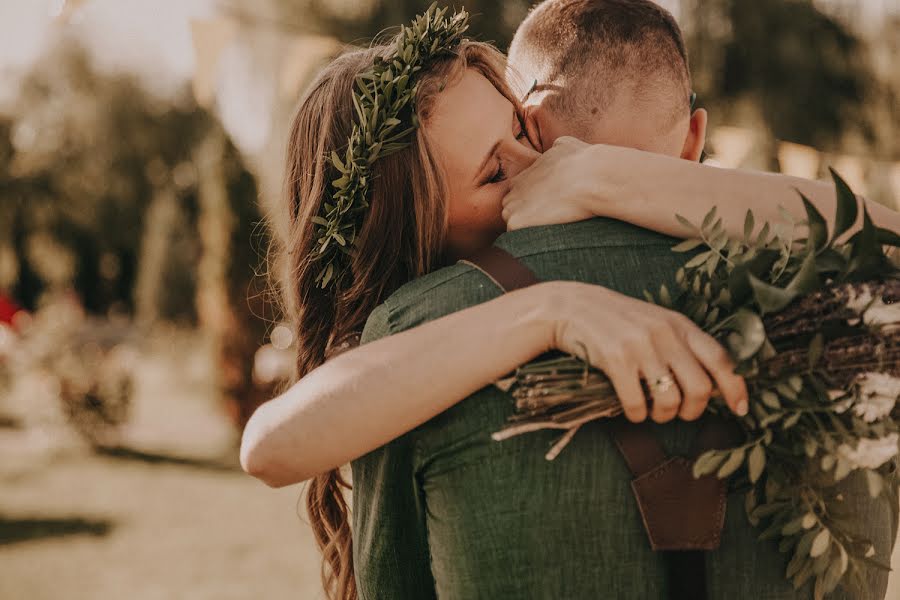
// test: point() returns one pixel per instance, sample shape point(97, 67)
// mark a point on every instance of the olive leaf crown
point(383, 100)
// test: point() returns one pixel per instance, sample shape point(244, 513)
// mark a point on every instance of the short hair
point(591, 48)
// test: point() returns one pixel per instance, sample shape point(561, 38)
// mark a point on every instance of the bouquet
point(813, 326)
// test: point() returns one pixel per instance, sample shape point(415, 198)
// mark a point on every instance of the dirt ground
point(168, 515)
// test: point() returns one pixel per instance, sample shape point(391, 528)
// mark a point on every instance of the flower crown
point(384, 100)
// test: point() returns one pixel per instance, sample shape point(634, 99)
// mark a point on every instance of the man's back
point(446, 511)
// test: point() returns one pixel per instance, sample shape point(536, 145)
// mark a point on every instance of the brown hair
point(401, 237)
point(590, 47)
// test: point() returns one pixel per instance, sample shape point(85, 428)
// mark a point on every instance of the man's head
point(608, 72)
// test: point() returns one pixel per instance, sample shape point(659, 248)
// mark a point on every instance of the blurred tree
point(141, 205)
point(359, 21)
point(803, 73)
point(102, 171)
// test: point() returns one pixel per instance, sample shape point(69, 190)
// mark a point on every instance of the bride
point(438, 199)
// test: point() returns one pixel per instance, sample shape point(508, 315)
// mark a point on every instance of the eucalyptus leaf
point(875, 483)
point(756, 463)
point(749, 225)
point(708, 219)
point(707, 463)
point(820, 543)
point(698, 260)
point(770, 298)
point(806, 279)
point(817, 235)
point(687, 245)
point(847, 206)
point(751, 334)
point(886, 237)
point(735, 460)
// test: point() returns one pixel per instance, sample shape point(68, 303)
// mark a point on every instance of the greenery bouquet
point(813, 325)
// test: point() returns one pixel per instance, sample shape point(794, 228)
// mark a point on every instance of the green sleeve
point(378, 325)
point(390, 542)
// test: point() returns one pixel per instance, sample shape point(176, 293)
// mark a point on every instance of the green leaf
point(793, 527)
point(763, 236)
point(735, 460)
point(770, 298)
point(336, 161)
point(796, 562)
point(875, 483)
point(709, 218)
point(833, 575)
point(816, 350)
point(750, 505)
point(665, 298)
point(820, 543)
point(751, 334)
point(865, 241)
point(803, 575)
point(786, 391)
point(786, 215)
point(712, 263)
point(886, 237)
point(805, 543)
point(808, 521)
point(687, 245)
point(686, 223)
point(329, 272)
point(738, 280)
point(756, 463)
point(698, 260)
point(810, 446)
point(806, 280)
point(791, 420)
point(818, 231)
point(770, 399)
point(847, 206)
point(707, 463)
point(749, 225)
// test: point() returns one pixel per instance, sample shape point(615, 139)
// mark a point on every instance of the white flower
point(873, 310)
point(876, 395)
point(870, 454)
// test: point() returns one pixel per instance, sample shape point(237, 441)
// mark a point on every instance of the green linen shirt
point(445, 512)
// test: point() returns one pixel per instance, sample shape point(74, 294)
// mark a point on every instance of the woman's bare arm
point(574, 181)
point(362, 399)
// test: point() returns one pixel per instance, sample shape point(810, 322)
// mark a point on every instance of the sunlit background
point(140, 146)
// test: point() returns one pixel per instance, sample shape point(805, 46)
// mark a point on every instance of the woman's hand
point(630, 340)
point(554, 189)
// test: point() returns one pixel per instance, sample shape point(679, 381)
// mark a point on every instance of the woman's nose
point(520, 157)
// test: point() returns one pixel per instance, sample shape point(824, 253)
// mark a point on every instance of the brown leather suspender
point(683, 516)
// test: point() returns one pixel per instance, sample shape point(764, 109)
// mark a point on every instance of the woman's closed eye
point(499, 173)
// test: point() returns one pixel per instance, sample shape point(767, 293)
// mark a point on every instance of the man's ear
point(533, 126)
point(696, 136)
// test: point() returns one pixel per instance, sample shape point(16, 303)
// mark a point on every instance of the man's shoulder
point(429, 297)
point(598, 232)
point(584, 251)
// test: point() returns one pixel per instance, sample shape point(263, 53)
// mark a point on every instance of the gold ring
point(661, 384)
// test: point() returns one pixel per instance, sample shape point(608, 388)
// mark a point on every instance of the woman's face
point(480, 143)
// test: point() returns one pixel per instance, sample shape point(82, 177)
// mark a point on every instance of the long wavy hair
point(402, 237)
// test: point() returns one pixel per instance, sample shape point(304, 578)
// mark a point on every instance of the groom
point(445, 512)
